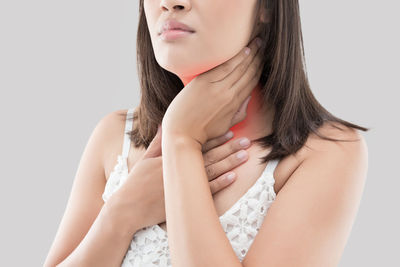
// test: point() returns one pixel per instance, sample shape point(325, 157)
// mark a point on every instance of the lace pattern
point(149, 246)
point(117, 177)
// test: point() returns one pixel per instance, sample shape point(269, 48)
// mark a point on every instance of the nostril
point(179, 7)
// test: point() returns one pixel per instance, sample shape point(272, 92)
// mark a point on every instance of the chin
point(190, 64)
point(185, 69)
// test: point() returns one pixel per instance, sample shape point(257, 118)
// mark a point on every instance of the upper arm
point(310, 220)
point(85, 199)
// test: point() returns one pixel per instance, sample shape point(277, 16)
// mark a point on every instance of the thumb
point(154, 149)
point(245, 103)
point(238, 117)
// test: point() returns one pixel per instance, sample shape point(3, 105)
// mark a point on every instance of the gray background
point(66, 64)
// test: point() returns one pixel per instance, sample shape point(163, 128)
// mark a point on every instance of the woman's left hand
point(216, 100)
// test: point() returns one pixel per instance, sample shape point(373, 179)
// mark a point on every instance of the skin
point(91, 232)
point(98, 233)
point(310, 232)
point(209, 48)
point(85, 218)
point(214, 41)
point(212, 44)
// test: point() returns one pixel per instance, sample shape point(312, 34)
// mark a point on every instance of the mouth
point(174, 30)
point(174, 25)
point(169, 35)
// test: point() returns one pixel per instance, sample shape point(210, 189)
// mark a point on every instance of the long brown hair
point(283, 81)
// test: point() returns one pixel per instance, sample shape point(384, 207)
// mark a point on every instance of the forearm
point(107, 240)
point(192, 220)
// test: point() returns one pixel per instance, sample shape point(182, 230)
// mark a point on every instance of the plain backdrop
point(66, 64)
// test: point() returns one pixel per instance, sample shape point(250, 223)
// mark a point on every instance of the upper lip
point(172, 24)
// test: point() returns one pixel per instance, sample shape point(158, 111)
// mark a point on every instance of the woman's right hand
point(142, 193)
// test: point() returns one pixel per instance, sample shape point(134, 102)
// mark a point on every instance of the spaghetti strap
point(271, 165)
point(128, 128)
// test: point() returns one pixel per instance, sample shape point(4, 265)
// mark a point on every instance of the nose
point(170, 5)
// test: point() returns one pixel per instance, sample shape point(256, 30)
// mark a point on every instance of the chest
point(248, 174)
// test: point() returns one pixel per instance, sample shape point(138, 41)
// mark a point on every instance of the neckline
point(259, 179)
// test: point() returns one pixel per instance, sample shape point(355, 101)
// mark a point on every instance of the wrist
point(180, 140)
point(120, 217)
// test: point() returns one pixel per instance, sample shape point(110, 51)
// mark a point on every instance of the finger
point(221, 182)
point(247, 82)
point(242, 112)
point(227, 164)
point(241, 69)
point(221, 152)
point(217, 141)
point(154, 149)
point(223, 70)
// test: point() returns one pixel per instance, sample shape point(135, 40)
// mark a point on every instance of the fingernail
point(247, 50)
point(229, 134)
point(241, 154)
point(244, 142)
point(247, 101)
point(259, 41)
point(230, 176)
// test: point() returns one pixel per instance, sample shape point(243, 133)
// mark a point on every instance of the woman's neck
point(258, 121)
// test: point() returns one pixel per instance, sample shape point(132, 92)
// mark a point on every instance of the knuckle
point(210, 172)
point(234, 146)
point(233, 160)
point(209, 158)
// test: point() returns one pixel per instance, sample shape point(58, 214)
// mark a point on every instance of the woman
point(195, 85)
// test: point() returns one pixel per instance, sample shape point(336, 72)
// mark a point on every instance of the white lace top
point(241, 222)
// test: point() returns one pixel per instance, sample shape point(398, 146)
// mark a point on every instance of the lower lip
point(174, 34)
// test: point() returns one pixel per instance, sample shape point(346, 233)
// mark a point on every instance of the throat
point(258, 121)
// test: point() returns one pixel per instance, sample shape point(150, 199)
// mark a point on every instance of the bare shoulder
point(321, 151)
point(353, 141)
point(349, 156)
point(325, 188)
point(85, 200)
point(112, 127)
